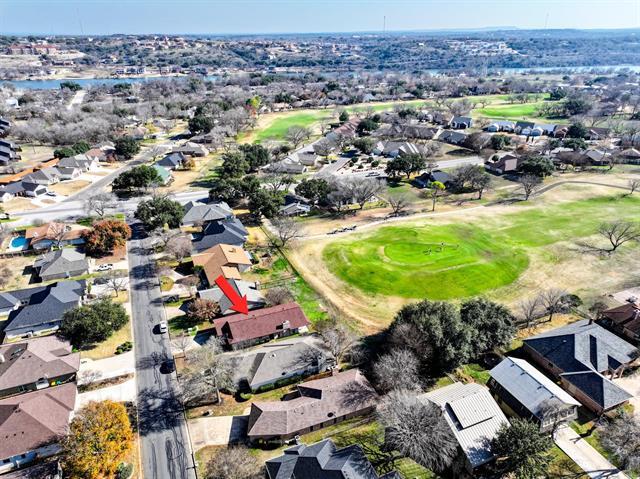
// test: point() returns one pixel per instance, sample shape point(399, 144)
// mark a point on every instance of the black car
point(168, 366)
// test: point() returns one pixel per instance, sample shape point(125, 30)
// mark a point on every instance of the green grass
point(512, 111)
point(475, 372)
point(166, 283)
point(278, 128)
point(411, 262)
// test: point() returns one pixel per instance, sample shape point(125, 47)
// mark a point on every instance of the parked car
point(105, 267)
point(51, 193)
point(168, 366)
point(162, 327)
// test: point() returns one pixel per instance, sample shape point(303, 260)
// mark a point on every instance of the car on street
point(51, 193)
point(105, 267)
point(162, 327)
point(168, 366)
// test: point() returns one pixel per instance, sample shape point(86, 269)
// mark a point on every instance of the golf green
point(438, 263)
point(466, 259)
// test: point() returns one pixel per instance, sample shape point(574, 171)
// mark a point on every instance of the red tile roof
point(260, 322)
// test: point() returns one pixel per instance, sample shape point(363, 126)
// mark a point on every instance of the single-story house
point(501, 126)
point(38, 311)
point(31, 424)
point(524, 126)
point(524, 391)
point(318, 403)
point(239, 331)
point(624, 320)
point(425, 179)
point(323, 460)
point(60, 264)
point(297, 208)
point(461, 122)
point(5, 125)
point(442, 118)
point(287, 166)
point(36, 364)
point(191, 149)
point(546, 128)
point(245, 289)
point(53, 234)
point(581, 355)
point(306, 158)
point(197, 213)
point(223, 260)
point(474, 418)
point(32, 190)
point(172, 161)
point(49, 469)
point(505, 164)
point(276, 363)
point(46, 176)
point(227, 231)
point(452, 137)
point(83, 162)
point(165, 175)
point(68, 173)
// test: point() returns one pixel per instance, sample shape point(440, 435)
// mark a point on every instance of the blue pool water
point(19, 242)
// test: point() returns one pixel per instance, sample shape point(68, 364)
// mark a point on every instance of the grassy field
point(518, 111)
point(277, 129)
point(465, 259)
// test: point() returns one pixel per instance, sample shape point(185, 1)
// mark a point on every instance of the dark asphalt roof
point(228, 231)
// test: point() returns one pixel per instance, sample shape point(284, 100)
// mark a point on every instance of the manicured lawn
point(107, 348)
point(278, 128)
point(466, 259)
point(514, 111)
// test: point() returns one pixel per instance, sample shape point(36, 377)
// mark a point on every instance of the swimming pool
point(19, 242)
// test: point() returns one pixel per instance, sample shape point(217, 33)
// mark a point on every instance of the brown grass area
point(67, 188)
point(107, 348)
point(18, 265)
point(18, 204)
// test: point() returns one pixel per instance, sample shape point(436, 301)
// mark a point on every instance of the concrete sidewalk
point(217, 431)
point(113, 367)
point(125, 392)
point(585, 456)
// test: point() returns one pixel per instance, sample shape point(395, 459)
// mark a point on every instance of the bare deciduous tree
point(179, 247)
point(287, 230)
point(235, 462)
point(619, 233)
point(278, 295)
point(99, 203)
point(530, 309)
point(339, 340)
point(191, 282)
point(417, 430)
point(116, 282)
point(530, 184)
point(552, 299)
point(181, 342)
point(398, 203)
point(634, 184)
point(363, 190)
point(277, 182)
point(207, 370)
point(622, 438)
point(57, 233)
point(397, 370)
point(162, 236)
point(296, 135)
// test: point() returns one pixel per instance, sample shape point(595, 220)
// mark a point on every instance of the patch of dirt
point(67, 188)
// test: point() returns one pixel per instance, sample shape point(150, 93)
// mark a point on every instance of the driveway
point(124, 392)
point(585, 456)
point(113, 367)
point(217, 431)
point(632, 385)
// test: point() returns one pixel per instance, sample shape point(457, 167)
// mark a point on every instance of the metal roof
point(473, 416)
point(529, 386)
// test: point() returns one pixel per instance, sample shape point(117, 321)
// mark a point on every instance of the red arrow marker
point(238, 303)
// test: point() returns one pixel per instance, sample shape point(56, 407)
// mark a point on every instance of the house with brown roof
point(240, 331)
point(53, 234)
point(36, 364)
point(222, 260)
point(316, 404)
point(624, 320)
point(507, 163)
point(32, 423)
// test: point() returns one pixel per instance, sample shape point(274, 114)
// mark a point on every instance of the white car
point(162, 327)
point(105, 267)
point(51, 193)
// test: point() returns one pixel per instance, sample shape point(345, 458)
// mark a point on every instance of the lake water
point(88, 82)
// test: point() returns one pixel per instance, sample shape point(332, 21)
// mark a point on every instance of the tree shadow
point(158, 410)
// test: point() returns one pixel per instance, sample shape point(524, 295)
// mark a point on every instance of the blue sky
point(275, 16)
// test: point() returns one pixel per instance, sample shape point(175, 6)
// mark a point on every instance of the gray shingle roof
point(60, 262)
point(322, 460)
point(583, 351)
point(229, 231)
point(46, 305)
point(529, 386)
point(201, 212)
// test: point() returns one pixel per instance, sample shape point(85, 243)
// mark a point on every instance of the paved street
point(166, 452)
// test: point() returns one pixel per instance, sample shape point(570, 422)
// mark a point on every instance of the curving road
point(164, 439)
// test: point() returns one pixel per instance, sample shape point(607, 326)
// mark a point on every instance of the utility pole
point(384, 25)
